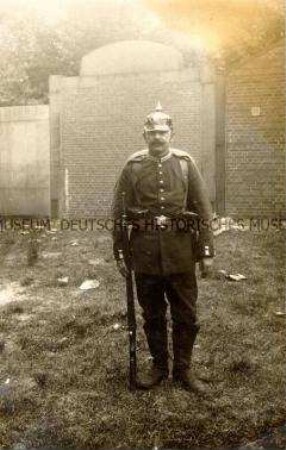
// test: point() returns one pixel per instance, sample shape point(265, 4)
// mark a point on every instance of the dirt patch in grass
point(64, 352)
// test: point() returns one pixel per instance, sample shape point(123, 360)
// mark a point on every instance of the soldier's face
point(158, 141)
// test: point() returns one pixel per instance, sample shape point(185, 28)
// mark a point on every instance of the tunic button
point(161, 190)
point(162, 207)
point(161, 181)
point(162, 199)
point(160, 173)
point(159, 165)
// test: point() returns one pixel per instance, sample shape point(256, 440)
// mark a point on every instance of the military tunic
point(162, 187)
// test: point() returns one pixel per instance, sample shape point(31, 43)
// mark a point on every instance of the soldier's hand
point(206, 266)
point(121, 266)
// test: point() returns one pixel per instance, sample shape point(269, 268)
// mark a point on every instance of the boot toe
point(153, 379)
point(191, 384)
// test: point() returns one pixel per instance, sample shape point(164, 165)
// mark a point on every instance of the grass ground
point(64, 352)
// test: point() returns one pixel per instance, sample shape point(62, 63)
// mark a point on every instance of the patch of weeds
point(4, 323)
point(91, 273)
point(14, 308)
point(116, 375)
point(31, 345)
point(68, 325)
point(51, 282)
point(77, 326)
point(24, 342)
point(47, 433)
point(32, 251)
point(26, 281)
point(251, 305)
point(109, 259)
point(242, 366)
point(89, 319)
point(25, 401)
point(34, 345)
point(106, 319)
point(10, 240)
point(54, 345)
point(41, 378)
point(7, 404)
point(2, 345)
point(275, 324)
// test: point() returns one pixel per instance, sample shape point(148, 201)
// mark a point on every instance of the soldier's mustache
point(157, 142)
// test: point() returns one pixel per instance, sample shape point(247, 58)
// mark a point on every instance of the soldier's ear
point(172, 134)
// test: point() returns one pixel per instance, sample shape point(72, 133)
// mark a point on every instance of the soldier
point(162, 188)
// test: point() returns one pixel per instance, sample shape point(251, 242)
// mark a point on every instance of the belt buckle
point(161, 220)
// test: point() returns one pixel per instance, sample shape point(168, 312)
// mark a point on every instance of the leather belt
point(164, 223)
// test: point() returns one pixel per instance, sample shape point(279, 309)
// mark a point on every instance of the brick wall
point(255, 137)
point(101, 125)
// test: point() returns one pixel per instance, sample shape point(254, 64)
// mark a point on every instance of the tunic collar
point(160, 160)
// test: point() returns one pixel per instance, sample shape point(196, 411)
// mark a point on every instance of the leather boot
point(184, 337)
point(156, 334)
point(189, 382)
point(154, 378)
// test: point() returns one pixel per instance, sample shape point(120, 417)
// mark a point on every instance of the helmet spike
point(159, 107)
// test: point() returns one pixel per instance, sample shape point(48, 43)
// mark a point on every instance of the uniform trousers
point(154, 292)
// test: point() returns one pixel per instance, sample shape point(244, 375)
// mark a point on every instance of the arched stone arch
point(131, 57)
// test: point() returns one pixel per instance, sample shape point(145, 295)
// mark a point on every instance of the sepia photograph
point(142, 224)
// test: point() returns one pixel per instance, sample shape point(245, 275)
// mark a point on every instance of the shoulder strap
point(138, 156)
